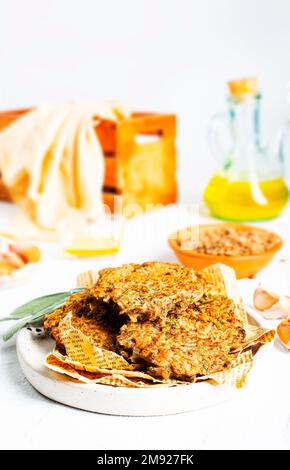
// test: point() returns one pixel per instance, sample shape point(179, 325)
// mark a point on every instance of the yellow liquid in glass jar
point(90, 246)
point(234, 200)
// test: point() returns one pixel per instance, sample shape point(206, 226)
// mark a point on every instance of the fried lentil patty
point(94, 319)
point(149, 291)
point(185, 346)
point(163, 316)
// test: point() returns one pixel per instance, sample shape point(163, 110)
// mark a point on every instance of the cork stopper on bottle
point(243, 86)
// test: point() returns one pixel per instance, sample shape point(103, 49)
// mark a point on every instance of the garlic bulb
point(272, 306)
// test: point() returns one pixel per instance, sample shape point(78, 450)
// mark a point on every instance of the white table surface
point(258, 418)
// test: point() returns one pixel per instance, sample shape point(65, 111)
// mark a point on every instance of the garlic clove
point(277, 312)
point(271, 305)
point(264, 299)
point(283, 332)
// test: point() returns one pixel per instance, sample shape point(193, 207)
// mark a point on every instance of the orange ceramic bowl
point(245, 266)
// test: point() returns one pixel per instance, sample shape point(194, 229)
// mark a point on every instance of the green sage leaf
point(35, 310)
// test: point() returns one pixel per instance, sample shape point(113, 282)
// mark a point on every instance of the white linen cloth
point(51, 159)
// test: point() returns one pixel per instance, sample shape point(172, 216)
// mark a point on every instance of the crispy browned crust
point(163, 316)
point(182, 346)
point(149, 291)
point(52, 320)
point(91, 317)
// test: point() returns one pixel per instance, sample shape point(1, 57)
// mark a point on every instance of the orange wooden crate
point(140, 158)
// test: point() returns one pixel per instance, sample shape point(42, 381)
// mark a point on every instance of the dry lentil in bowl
point(228, 240)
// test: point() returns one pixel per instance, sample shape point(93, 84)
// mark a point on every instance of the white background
point(160, 55)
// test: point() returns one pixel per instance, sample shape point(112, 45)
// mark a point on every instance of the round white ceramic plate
point(114, 400)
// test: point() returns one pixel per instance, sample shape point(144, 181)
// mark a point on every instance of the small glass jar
point(83, 234)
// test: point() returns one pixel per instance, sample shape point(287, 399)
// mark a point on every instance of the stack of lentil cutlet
point(167, 319)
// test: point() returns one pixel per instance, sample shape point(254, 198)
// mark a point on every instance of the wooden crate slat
point(144, 173)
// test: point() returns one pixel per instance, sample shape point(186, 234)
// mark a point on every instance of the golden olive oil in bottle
point(249, 184)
